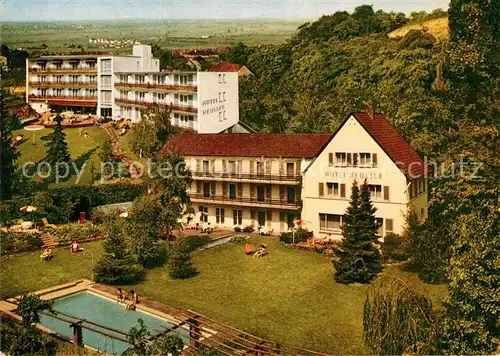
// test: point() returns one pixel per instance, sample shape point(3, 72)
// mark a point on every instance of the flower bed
point(80, 232)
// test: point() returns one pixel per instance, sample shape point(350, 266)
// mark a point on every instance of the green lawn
point(290, 296)
point(82, 150)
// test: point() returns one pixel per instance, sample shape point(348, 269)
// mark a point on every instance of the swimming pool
point(220, 241)
point(104, 311)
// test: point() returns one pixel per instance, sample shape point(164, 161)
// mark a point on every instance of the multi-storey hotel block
point(120, 86)
point(271, 180)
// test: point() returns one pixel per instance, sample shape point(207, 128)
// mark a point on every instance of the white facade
point(121, 86)
point(329, 178)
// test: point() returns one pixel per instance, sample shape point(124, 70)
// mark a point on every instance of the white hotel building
point(271, 180)
point(120, 86)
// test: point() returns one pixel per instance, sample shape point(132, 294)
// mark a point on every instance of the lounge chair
point(46, 224)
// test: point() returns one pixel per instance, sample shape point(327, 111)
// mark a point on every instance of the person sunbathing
point(75, 247)
point(46, 255)
point(262, 251)
point(120, 297)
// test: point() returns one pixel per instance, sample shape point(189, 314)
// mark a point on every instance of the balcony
point(157, 86)
point(250, 177)
point(246, 201)
point(148, 103)
point(64, 84)
point(63, 97)
point(63, 70)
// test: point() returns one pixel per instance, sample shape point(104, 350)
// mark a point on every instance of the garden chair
point(249, 249)
point(46, 224)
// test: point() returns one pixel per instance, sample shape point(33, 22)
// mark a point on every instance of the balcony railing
point(63, 70)
point(63, 97)
point(64, 84)
point(251, 201)
point(157, 86)
point(291, 178)
point(148, 103)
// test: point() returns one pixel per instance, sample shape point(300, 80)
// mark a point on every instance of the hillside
point(436, 27)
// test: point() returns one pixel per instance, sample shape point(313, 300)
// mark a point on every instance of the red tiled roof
point(225, 67)
point(248, 145)
point(396, 147)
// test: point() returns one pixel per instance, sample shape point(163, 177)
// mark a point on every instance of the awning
point(57, 61)
point(74, 61)
point(89, 104)
point(91, 60)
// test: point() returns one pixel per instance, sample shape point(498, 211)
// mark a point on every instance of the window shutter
point(297, 168)
point(389, 225)
point(252, 191)
point(282, 193)
point(198, 187)
point(342, 190)
point(224, 166)
point(374, 160)
point(268, 166)
point(240, 190)
point(198, 165)
point(252, 168)
point(349, 159)
point(330, 158)
point(212, 165)
point(252, 214)
point(386, 192)
point(268, 192)
point(224, 189)
point(239, 165)
point(269, 215)
point(355, 159)
point(282, 168)
point(212, 188)
point(321, 189)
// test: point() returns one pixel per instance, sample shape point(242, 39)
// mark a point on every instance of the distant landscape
point(172, 34)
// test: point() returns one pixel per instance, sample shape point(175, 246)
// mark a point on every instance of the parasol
point(28, 209)
point(34, 129)
point(125, 214)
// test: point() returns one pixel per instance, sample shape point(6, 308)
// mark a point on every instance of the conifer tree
point(358, 257)
point(117, 266)
point(8, 154)
point(57, 147)
point(179, 260)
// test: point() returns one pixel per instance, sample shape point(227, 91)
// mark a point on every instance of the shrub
point(393, 248)
point(7, 243)
point(179, 260)
point(248, 228)
point(12, 242)
point(301, 235)
point(238, 239)
point(34, 242)
point(195, 241)
point(237, 229)
point(79, 232)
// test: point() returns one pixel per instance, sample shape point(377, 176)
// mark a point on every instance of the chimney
point(371, 112)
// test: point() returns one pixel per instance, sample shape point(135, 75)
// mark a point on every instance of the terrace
point(187, 88)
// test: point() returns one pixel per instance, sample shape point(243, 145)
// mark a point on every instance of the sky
point(70, 10)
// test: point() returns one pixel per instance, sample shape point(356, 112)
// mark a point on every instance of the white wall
point(217, 101)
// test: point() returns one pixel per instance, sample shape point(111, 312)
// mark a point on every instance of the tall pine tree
point(8, 154)
point(358, 257)
point(57, 147)
point(117, 266)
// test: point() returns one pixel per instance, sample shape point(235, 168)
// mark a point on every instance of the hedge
point(59, 204)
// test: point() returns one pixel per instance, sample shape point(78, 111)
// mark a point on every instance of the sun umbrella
point(28, 209)
point(125, 214)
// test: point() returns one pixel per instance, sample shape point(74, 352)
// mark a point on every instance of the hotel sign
point(354, 175)
point(214, 105)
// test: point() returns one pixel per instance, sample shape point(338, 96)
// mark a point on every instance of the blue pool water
point(220, 241)
point(103, 311)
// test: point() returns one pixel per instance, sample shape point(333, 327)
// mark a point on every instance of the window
point(74, 65)
point(106, 81)
point(59, 92)
point(389, 226)
point(365, 159)
point(204, 214)
point(289, 169)
point(93, 78)
point(332, 189)
point(141, 96)
point(161, 97)
point(139, 79)
point(74, 78)
point(219, 215)
point(260, 168)
point(58, 78)
point(206, 190)
point(380, 226)
point(290, 195)
point(261, 193)
point(75, 92)
point(105, 65)
point(330, 222)
point(106, 97)
point(58, 65)
point(341, 158)
point(237, 217)
point(386, 192)
point(232, 190)
point(206, 165)
point(321, 189)
point(232, 167)
point(375, 191)
point(91, 64)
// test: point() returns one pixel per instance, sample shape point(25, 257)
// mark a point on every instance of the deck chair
point(46, 224)
point(249, 249)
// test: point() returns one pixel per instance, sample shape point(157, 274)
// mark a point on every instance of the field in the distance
point(436, 27)
point(174, 34)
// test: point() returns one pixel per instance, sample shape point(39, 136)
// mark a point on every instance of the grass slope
point(437, 27)
point(82, 150)
point(290, 297)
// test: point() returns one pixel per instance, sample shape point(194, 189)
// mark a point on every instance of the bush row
point(79, 232)
point(12, 242)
